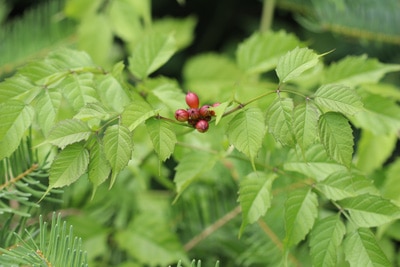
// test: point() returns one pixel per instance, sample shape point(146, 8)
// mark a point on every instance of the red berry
point(194, 113)
point(192, 100)
point(202, 126)
point(204, 112)
point(181, 115)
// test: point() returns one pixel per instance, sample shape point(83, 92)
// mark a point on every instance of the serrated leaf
point(246, 131)
point(47, 107)
point(136, 113)
point(294, 63)
point(112, 93)
point(167, 91)
point(255, 196)
point(79, 90)
point(14, 88)
point(16, 117)
point(70, 164)
point(219, 111)
point(99, 169)
point(67, 132)
point(338, 98)
point(261, 51)
point(301, 209)
point(356, 70)
point(315, 164)
point(325, 239)
point(162, 137)
point(305, 124)
point(280, 120)
point(369, 210)
point(95, 110)
point(191, 165)
point(150, 53)
point(336, 136)
point(340, 185)
point(118, 148)
point(362, 249)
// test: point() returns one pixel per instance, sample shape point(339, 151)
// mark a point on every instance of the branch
point(19, 177)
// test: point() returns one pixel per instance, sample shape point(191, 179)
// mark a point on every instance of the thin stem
point(172, 121)
point(19, 177)
point(267, 15)
point(293, 92)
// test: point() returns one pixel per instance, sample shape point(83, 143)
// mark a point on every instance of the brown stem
point(19, 177)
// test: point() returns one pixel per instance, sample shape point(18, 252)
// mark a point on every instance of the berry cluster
point(195, 116)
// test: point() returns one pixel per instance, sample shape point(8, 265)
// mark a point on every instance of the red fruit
point(181, 115)
point(192, 100)
point(202, 126)
point(204, 112)
point(194, 113)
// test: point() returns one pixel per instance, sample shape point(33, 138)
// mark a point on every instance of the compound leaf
point(67, 132)
point(162, 136)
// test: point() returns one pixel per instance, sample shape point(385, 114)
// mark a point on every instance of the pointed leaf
point(246, 131)
point(95, 110)
point(70, 164)
point(16, 117)
point(340, 185)
point(112, 93)
point(99, 169)
point(362, 249)
point(150, 53)
point(294, 63)
point(14, 88)
point(280, 120)
point(118, 148)
point(47, 106)
point(338, 98)
point(336, 136)
point(136, 113)
point(325, 239)
point(219, 111)
point(67, 132)
point(369, 210)
point(167, 91)
point(79, 90)
point(305, 124)
point(162, 136)
point(255, 196)
point(301, 209)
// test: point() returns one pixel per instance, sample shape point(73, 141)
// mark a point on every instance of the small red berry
point(181, 115)
point(192, 100)
point(202, 126)
point(194, 113)
point(204, 112)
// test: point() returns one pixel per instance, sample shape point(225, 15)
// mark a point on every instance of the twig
point(19, 177)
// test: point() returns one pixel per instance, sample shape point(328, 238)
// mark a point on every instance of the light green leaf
point(301, 209)
point(136, 113)
point(150, 53)
point(305, 124)
point(16, 117)
point(219, 111)
point(191, 165)
point(362, 249)
point(246, 131)
point(118, 148)
point(70, 164)
point(294, 63)
point(255, 196)
point(280, 120)
point(338, 98)
point(336, 136)
point(79, 90)
point(325, 239)
point(99, 169)
point(47, 107)
point(14, 88)
point(315, 164)
point(261, 51)
point(391, 185)
point(162, 136)
point(112, 93)
point(67, 132)
point(340, 185)
point(356, 70)
point(369, 210)
point(167, 91)
point(95, 110)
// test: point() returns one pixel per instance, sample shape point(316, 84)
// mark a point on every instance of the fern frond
point(38, 31)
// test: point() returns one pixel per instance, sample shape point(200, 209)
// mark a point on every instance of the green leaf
point(192, 165)
point(16, 117)
point(162, 136)
point(167, 91)
point(255, 196)
point(112, 93)
point(315, 164)
point(305, 124)
point(67, 132)
point(336, 136)
point(99, 169)
point(136, 113)
point(294, 63)
point(95, 110)
point(79, 90)
point(391, 185)
point(339, 98)
point(118, 148)
point(246, 131)
point(150, 53)
point(325, 239)
point(261, 51)
point(340, 185)
point(301, 209)
point(369, 210)
point(356, 70)
point(362, 249)
point(14, 88)
point(47, 107)
point(70, 164)
point(219, 111)
point(280, 120)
